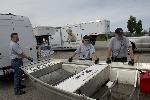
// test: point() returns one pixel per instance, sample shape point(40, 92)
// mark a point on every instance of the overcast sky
point(63, 12)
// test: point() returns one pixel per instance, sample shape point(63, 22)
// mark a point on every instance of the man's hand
point(97, 61)
point(30, 59)
point(108, 61)
point(131, 62)
point(70, 59)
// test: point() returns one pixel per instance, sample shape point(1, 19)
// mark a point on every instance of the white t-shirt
point(84, 51)
point(119, 47)
point(15, 50)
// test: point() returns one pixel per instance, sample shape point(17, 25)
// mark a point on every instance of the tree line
point(134, 26)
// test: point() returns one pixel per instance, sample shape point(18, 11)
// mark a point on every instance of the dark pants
point(123, 59)
point(16, 64)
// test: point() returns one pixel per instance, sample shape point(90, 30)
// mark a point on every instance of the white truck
point(60, 39)
point(10, 23)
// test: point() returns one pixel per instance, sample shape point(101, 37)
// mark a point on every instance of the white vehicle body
point(59, 41)
point(44, 30)
point(15, 24)
point(141, 43)
point(42, 35)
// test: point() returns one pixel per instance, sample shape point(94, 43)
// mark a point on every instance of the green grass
point(101, 38)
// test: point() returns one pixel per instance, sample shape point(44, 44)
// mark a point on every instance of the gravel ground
point(6, 86)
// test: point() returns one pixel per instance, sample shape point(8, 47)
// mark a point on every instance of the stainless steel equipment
point(61, 80)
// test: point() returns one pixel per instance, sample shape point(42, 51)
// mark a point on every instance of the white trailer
point(44, 30)
point(59, 40)
point(10, 23)
point(43, 34)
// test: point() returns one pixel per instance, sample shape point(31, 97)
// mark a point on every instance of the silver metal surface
point(58, 79)
point(47, 75)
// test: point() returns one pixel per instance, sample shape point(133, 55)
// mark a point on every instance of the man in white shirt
point(86, 51)
point(16, 55)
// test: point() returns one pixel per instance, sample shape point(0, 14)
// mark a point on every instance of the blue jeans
point(16, 64)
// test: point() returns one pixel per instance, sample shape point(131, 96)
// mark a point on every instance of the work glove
point(70, 59)
point(96, 61)
point(108, 61)
point(30, 59)
point(131, 62)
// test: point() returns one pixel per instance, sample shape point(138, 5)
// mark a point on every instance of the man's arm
point(93, 55)
point(129, 45)
point(71, 58)
point(23, 55)
point(95, 58)
point(19, 51)
point(110, 46)
point(78, 50)
point(131, 53)
point(109, 53)
point(131, 62)
point(74, 54)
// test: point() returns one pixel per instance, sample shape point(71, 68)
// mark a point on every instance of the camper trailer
point(70, 36)
point(77, 32)
point(10, 23)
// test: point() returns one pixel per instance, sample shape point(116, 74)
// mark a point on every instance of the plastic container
point(145, 82)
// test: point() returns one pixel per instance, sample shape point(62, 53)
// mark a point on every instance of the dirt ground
point(6, 85)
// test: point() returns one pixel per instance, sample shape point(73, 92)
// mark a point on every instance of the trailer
point(70, 36)
point(43, 34)
point(58, 79)
point(10, 23)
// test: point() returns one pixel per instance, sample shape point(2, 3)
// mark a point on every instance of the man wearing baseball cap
point(118, 48)
point(86, 51)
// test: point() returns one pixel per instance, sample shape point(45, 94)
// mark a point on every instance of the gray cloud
point(62, 12)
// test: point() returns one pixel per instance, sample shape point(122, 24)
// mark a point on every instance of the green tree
point(134, 27)
point(139, 28)
point(131, 24)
